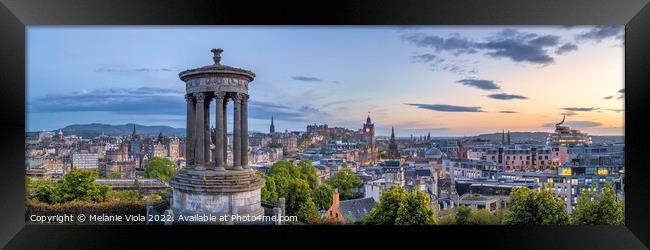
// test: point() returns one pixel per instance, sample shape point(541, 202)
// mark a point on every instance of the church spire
point(272, 128)
point(368, 119)
point(134, 129)
point(392, 133)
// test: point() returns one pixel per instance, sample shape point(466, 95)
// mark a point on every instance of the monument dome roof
point(216, 68)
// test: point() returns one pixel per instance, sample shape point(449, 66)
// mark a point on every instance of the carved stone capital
point(244, 97)
point(200, 97)
point(219, 95)
point(189, 97)
point(239, 97)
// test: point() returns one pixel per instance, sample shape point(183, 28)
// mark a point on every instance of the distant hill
point(96, 129)
point(527, 137)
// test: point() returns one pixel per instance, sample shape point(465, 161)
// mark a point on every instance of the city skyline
point(443, 80)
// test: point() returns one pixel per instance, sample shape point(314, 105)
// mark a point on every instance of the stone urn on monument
point(211, 185)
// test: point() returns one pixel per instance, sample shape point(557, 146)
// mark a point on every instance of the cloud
point(608, 97)
point(437, 63)
point(346, 101)
point(504, 96)
point(622, 94)
point(575, 124)
point(143, 100)
point(134, 69)
point(425, 58)
point(447, 108)
point(507, 112)
point(306, 78)
point(481, 84)
point(456, 44)
point(580, 109)
point(602, 32)
point(508, 43)
point(154, 101)
point(566, 48)
point(616, 110)
point(264, 110)
point(569, 113)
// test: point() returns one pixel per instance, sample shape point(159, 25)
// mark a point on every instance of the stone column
point(189, 142)
point(206, 128)
point(244, 131)
point(199, 136)
point(219, 132)
point(225, 129)
point(236, 138)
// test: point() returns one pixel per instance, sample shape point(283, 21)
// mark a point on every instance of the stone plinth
point(217, 193)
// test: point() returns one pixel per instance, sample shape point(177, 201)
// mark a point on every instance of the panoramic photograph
point(331, 125)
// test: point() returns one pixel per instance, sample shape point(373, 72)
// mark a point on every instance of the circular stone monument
point(211, 186)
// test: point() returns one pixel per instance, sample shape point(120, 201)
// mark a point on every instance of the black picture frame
point(15, 15)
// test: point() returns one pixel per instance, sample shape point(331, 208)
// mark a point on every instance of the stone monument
point(208, 186)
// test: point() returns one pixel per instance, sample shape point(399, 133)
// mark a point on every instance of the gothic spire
point(272, 128)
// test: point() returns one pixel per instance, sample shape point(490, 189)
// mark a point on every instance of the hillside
point(96, 129)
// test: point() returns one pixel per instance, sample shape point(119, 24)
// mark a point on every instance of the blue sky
point(446, 80)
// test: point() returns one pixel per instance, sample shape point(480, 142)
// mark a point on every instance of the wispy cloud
point(481, 84)
point(507, 112)
point(143, 100)
point(134, 69)
point(580, 109)
point(504, 96)
point(508, 43)
point(446, 108)
point(306, 78)
point(437, 63)
point(602, 32)
point(567, 47)
point(608, 97)
point(569, 113)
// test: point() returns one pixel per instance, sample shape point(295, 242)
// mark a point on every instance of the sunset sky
point(446, 80)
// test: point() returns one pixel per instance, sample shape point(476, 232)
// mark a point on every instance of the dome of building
point(433, 153)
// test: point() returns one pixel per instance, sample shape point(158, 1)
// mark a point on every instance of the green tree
point(530, 207)
point(602, 210)
point(269, 194)
point(346, 182)
point(463, 215)
point(415, 210)
point(299, 202)
point(323, 196)
point(79, 185)
point(160, 168)
point(385, 212)
point(42, 190)
point(126, 195)
point(283, 172)
point(114, 175)
point(483, 217)
point(309, 173)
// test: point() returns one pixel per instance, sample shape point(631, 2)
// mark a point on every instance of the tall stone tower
point(272, 128)
point(393, 153)
point(208, 186)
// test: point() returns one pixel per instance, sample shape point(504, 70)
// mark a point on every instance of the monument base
point(207, 196)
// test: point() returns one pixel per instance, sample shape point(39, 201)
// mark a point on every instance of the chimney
point(335, 197)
